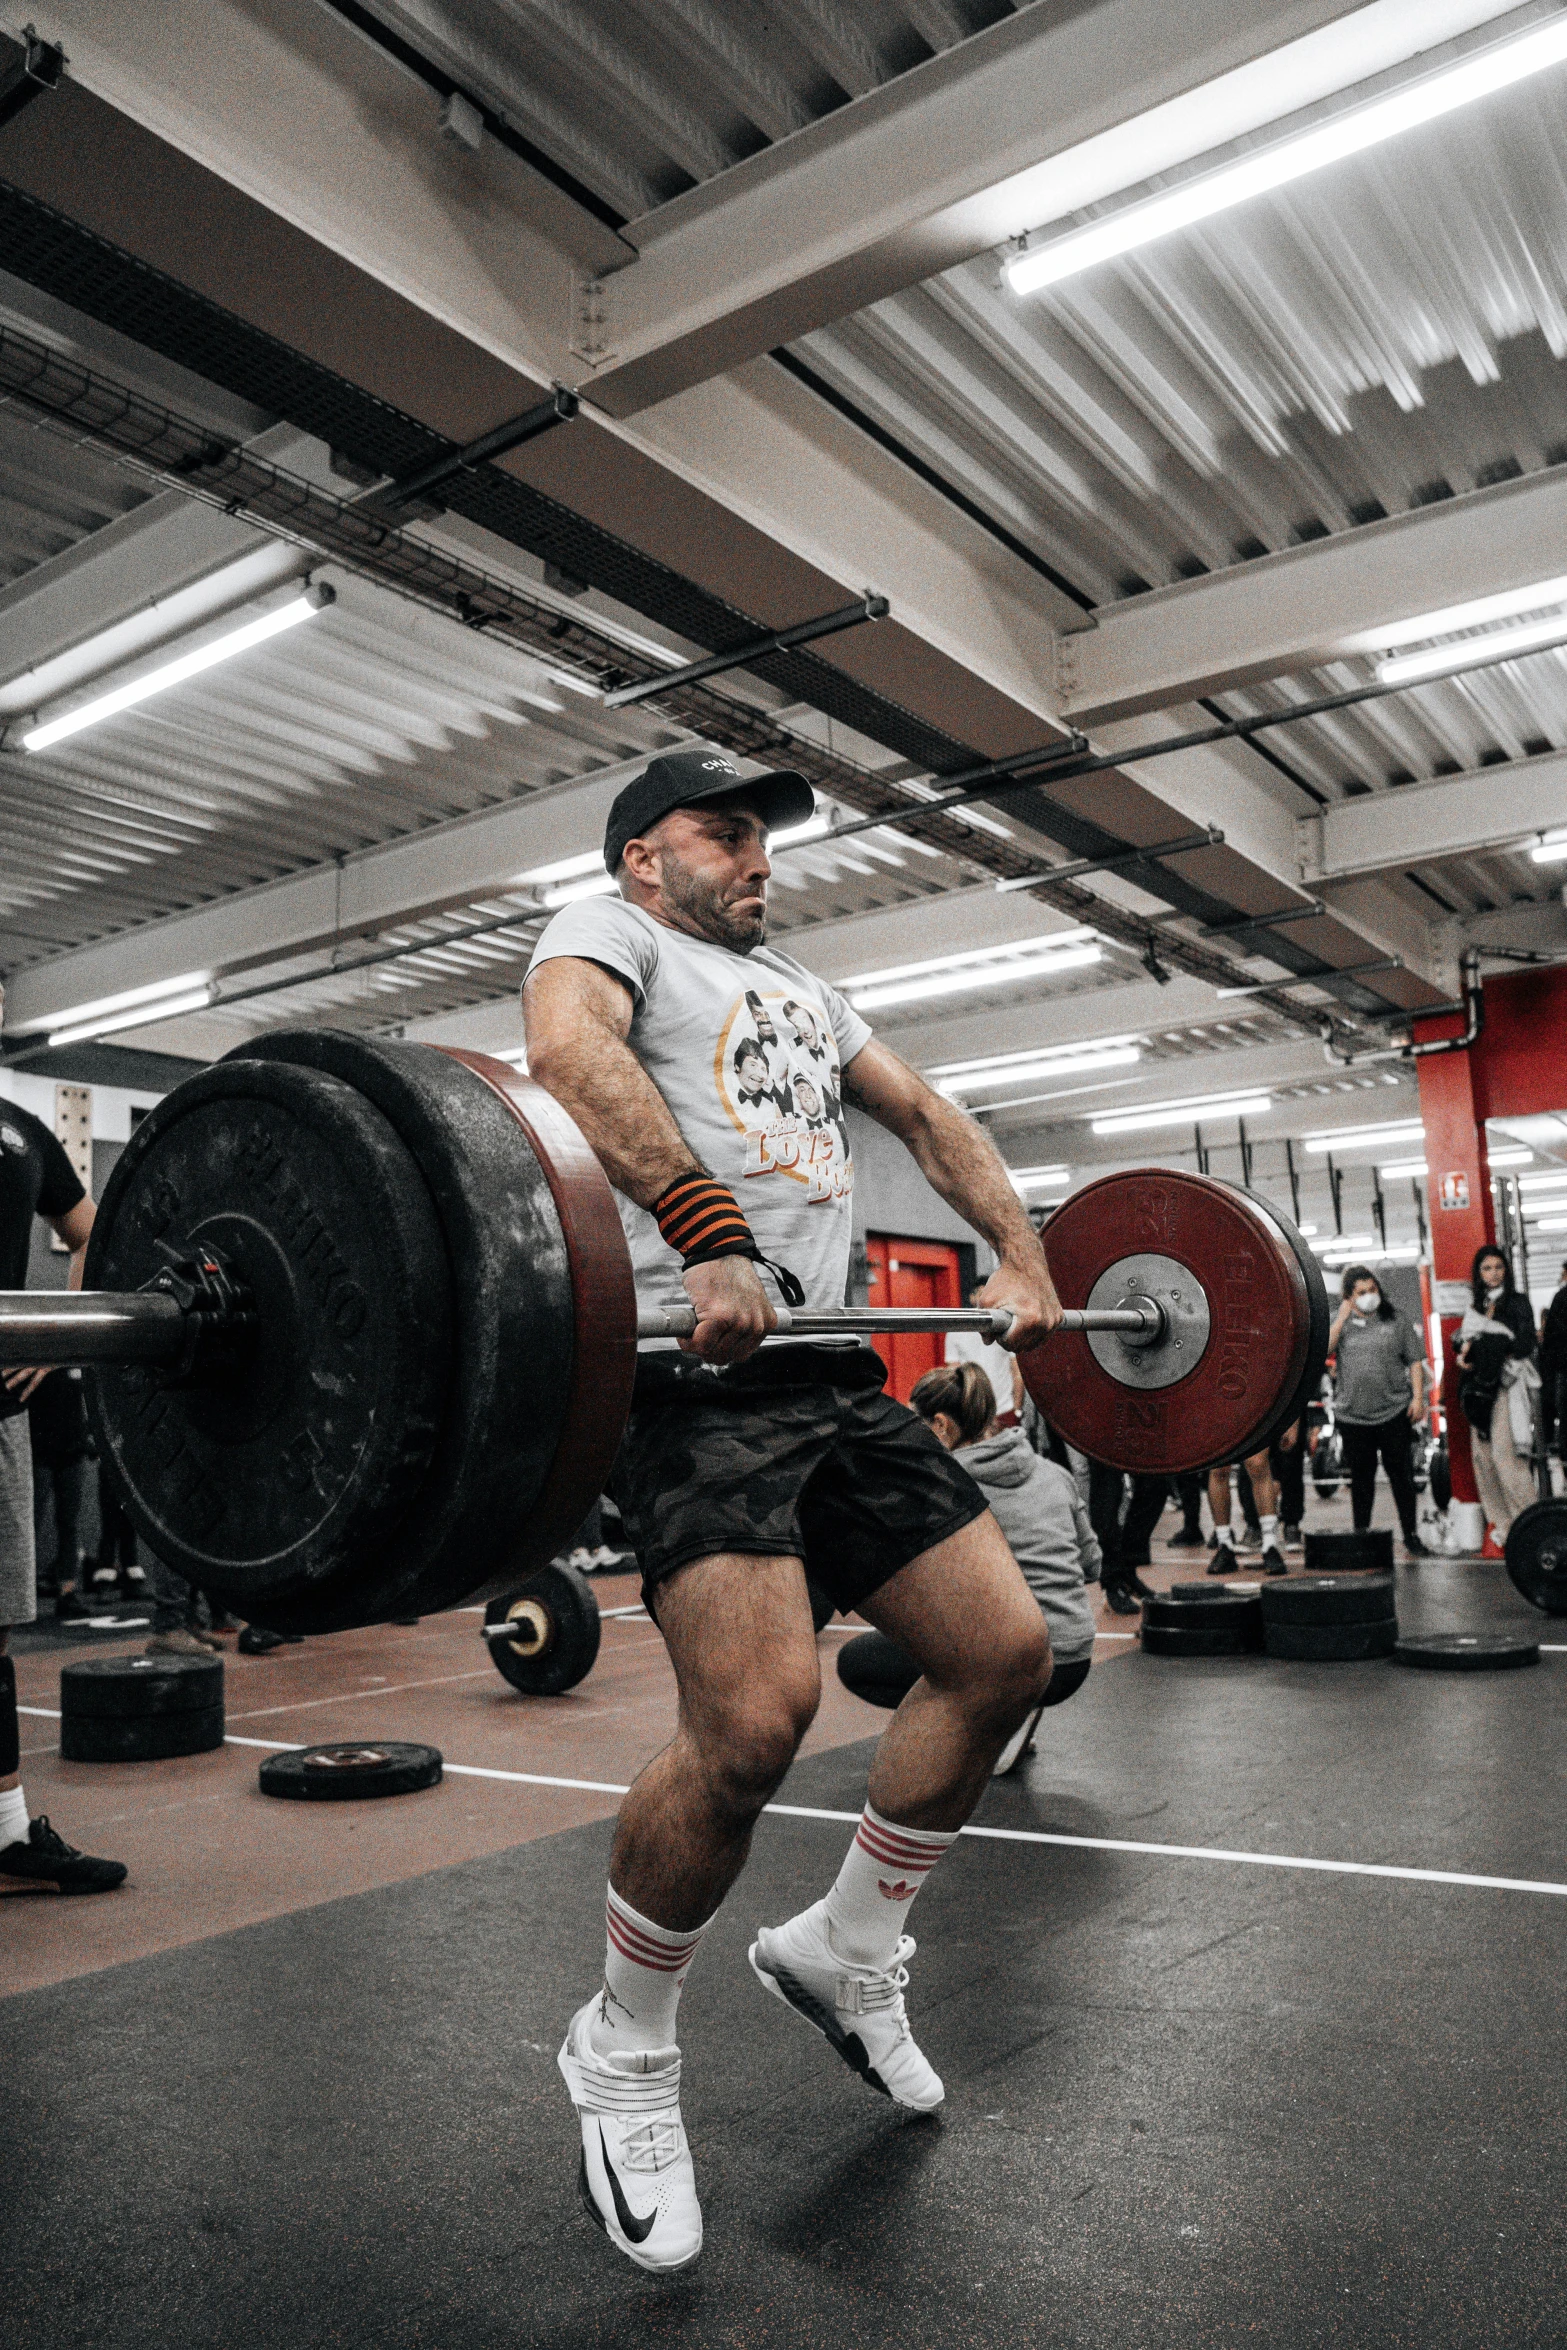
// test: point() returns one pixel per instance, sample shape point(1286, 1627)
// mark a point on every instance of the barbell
point(362, 1326)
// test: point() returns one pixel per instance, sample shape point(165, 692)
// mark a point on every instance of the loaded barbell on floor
point(364, 1330)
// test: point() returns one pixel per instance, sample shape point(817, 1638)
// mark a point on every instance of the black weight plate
point(874, 1668)
point(1468, 1652)
point(1215, 1590)
point(1212, 1611)
point(1537, 1555)
point(475, 1524)
point(1350, 1554)
point(270, 1485)
point(1441, 1474)
point(558, 1629)
point(1328, 1599)
point(350, 1771)
point(1339, 1644)
point(1201, 1640)
point(97, 1738)
point(129, 1688)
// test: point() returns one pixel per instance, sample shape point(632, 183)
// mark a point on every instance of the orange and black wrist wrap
point(700, 1219)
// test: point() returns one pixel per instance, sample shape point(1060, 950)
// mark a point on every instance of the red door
point(911, 1273)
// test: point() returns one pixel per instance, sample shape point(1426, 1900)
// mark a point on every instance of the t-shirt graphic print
point(748, 1051)
point(785, 1096)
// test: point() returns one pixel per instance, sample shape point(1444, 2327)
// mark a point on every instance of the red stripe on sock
point(901, 1849)
point(662, 1958)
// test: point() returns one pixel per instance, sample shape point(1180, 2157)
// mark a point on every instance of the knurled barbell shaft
point(90, 1326)
point(145, 1326)
point(1140, 1321)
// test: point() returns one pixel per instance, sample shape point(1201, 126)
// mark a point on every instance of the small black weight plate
point(557, 1632)
point(1441, 1474)
point(1328, 1599)
point(1200, 1640)
point(276, 1484)
point(1332, 1643)
point(1350, 1554)
point(1223, 1610)
point(1467, 1652)
point(351, 1770)
point(1214, 1590)
point(130, 1688)
point(476, 1524)
point(1537, 1555)
point(97, 1738)
point(874, 1668)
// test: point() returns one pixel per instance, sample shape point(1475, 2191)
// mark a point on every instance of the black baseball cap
point(683, 778)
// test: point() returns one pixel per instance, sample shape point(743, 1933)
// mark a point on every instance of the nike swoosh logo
point(635, 2230)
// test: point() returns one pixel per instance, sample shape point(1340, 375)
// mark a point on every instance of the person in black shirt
point(1496, 1337)
point(1553, 1365)
point(36, 1179)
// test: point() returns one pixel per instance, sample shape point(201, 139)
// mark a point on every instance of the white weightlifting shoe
point(857, 2009)
point(636, 2181)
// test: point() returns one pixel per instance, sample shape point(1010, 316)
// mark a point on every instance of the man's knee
point(748, 1751)
point(1006, 1672)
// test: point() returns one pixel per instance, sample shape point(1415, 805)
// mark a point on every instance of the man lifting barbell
point(737, 1476)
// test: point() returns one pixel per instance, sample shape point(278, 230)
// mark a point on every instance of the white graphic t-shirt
point(747, 1050)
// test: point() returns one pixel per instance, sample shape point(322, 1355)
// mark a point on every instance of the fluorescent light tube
point(84, 1015)
point(1025, 1072)
point(1030, 1055)
point(1403, 1167)
point(1037, 1178)
point(962, 974)
point(157, 681)
point(1187, 1113)
point(1551, 852)
point(1519, 1158)
point(595, 885)
point(1348, 1138)
point(1351, 132)
point(168, 1008)
point(1552, 1224)
point(1474, 652)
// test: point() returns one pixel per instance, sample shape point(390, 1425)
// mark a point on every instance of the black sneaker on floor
point(1213, 1541)
point(134, 1583)
point(1273, 1561)
point(1121, 1600)
point(1253, 1533)
point(1292, 1537)
point(1188, 1538)
point(70, 1607)
point(1416, 1548)
point(1224, 1560)
point(46, 1860)
point(255, 1640)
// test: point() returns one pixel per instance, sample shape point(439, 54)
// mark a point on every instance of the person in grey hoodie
point(1039, 1509)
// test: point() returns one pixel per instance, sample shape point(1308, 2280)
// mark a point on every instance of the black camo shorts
point(794, 1454)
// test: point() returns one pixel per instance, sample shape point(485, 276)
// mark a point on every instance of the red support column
point(1453, 1108)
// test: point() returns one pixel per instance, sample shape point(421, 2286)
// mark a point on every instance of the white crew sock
point(1226, 1534)
point(644, 1968)
point(1270, 1531)
point(883, 1869)
point(14, 1822)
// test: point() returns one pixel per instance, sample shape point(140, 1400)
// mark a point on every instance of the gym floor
point(295, 2085)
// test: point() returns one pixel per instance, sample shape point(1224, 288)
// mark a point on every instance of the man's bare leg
point(965, 1615)
point(740, 1637)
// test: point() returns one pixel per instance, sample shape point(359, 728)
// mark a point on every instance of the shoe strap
point(871, 1989)
point(598, 2087)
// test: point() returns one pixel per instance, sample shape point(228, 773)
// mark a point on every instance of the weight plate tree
point(1249, 1323)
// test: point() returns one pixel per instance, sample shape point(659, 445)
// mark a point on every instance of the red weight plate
point(1259, 1335)
point(604, 1305)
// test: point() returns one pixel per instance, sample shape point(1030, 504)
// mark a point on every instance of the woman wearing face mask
point(1497, 1385)
point(1379, 1391)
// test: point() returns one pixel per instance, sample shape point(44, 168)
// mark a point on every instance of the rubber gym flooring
point(296, 2084)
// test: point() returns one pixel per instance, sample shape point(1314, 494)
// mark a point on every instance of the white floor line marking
point(393, 1689)
point(1553, 1648)
point(43, 1713)
point(1256, 1860)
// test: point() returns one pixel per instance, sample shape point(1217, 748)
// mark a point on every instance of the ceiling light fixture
point(963, 1078)
point(170, 673)
point(1551, 851)
point(1350, 132)
point(1038, 1178)
point(1348, 1138)
point(977, 967)
point(168, 1007)
point(1474, 652)
point(1184, 1113)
